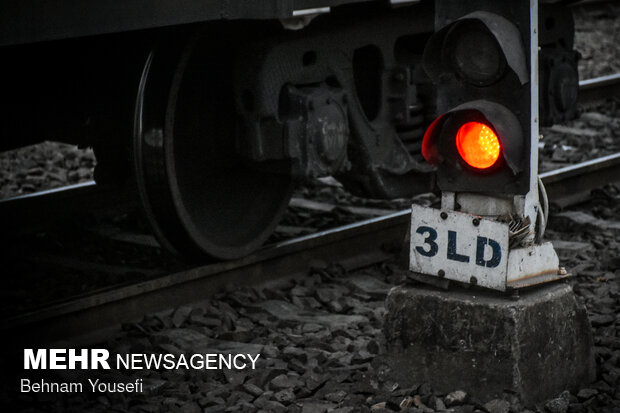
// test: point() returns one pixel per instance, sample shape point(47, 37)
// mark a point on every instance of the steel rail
point(591, 3)
point(572, 184)
point(352, 246)
point(599, 88)
point(29, 213)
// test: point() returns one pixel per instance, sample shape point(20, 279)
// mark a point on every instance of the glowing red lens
point(478, 145)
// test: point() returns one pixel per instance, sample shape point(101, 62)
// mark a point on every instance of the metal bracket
point(302, 18)
point(401, 3)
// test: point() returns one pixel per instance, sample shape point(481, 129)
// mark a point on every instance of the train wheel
point(199, 195)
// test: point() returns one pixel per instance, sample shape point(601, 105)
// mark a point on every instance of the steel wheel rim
point(199, 195)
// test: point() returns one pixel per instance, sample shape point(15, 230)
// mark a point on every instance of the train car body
point(32, 21)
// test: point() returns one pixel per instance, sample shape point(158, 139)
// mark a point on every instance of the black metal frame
point(28, 21)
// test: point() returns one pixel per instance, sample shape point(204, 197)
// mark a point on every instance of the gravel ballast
point(319, 336)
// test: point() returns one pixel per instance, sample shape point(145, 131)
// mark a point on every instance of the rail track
point(352, 246)
point(592, 90)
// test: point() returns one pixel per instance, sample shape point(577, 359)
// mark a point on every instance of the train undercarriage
point(214, 122)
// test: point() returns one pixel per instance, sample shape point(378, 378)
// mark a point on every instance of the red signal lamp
point(478, 145)
point(480, 64)
point(476, 134)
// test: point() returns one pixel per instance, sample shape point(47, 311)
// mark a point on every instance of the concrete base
point(486, 344)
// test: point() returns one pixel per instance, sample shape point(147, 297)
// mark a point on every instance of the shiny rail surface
point(599, 88)
point(572, 184)
point(33, 212)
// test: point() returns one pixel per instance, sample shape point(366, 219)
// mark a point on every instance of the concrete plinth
point(486, 344)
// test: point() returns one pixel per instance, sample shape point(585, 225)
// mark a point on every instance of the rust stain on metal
point(538, 274)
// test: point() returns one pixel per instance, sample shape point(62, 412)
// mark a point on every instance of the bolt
point(441, 273)
point(476, 222)
point(443, 215)
point(473, 281)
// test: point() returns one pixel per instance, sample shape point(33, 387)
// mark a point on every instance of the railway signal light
point(483, 61)
point(479, 63)
point(478, 145)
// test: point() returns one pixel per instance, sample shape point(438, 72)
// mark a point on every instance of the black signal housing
point(479, 60)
